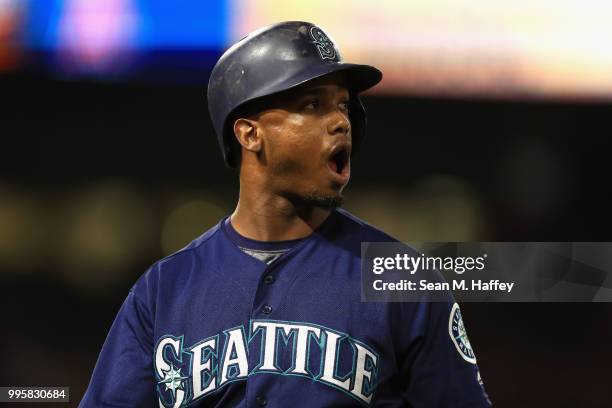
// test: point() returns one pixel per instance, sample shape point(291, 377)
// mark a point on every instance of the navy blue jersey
point(212, 326)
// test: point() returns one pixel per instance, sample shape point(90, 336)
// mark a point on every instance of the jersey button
point(261, 401)
point(267, 309)
point(269, 279)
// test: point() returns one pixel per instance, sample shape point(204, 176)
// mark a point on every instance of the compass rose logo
point(173, 379)
point(458, 334)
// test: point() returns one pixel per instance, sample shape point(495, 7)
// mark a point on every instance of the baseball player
point(264, 309)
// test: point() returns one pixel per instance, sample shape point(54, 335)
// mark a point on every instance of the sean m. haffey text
point(412, 264)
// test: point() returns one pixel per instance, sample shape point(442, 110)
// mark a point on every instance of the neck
point(266, 216)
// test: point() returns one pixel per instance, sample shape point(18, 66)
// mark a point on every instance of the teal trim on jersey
point(262, 347)
point(371, 385)
point(178, 358)
point(286, 337)
point(220, 372)
point(210, 354)
point(217, 358)
point(310, 375)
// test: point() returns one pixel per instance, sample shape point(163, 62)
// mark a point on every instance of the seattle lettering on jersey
point(210, 365)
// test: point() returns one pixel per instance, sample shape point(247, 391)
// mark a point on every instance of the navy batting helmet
point(275, 59)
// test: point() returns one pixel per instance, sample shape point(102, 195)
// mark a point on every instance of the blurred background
point(492, 123)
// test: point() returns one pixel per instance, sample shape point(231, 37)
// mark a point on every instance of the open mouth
point(338, 161)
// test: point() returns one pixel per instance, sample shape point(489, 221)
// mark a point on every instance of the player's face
point(307, 142)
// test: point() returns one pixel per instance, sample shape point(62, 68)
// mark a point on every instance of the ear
point(247, 134)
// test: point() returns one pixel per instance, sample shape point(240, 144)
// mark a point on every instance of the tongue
point(333, 166)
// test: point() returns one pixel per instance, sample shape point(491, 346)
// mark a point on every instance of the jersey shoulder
point(361, 230)
point(177, 268)
point(186, 253)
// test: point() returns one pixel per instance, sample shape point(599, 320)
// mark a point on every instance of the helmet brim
point(358, 78)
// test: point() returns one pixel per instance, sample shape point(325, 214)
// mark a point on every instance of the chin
point(324, 200)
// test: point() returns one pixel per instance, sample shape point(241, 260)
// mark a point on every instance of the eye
point(344, 105)
point(312, 104)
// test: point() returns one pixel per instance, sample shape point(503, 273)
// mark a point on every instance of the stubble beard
point(326, 201)
point(312, 198)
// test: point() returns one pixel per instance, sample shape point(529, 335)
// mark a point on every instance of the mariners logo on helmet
point(323, 43)
point(458, 334)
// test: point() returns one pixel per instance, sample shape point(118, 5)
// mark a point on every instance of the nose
point(339, 123)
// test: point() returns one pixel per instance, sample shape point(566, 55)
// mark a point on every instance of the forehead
point(330, 85)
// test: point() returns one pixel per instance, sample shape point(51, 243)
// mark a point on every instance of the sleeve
point(123, 375)
point(439, 364)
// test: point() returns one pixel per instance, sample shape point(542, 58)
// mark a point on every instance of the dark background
point(533, 171)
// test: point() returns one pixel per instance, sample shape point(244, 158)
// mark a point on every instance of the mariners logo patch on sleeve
point(458, 334)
